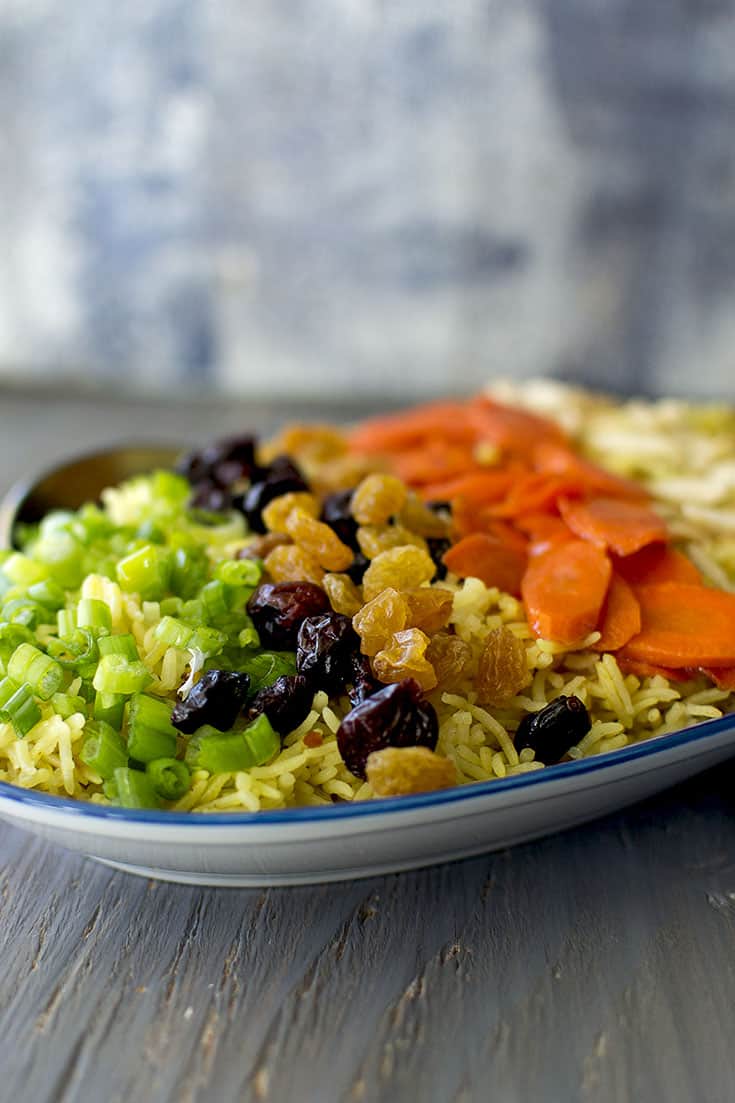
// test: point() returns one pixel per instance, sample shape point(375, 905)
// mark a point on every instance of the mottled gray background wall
point(368, 194)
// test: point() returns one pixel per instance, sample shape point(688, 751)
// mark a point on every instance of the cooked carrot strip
point(723, 676)
point(409, 429)
point(479, 486)
point(544, 530)
point(620, 619)
point(487, 557)
point(512, 430)
point(648, 670)
point(434, 461)
point(657, 563)
point(564, 591)
point(553, 459)
point(534, 492)
point(622, 526)
point(684, 626)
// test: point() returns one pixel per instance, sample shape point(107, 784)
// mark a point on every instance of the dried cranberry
point(278, 608)
point(357, 568)
point(396, 716)
point(324, 650)
point(281, 477)
point(336, 514)
point(553, 730)
point(286, 703)
point(216, 699)
point(364, 684)
point(438, 546)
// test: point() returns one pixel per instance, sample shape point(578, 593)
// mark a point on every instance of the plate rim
point(458, 794)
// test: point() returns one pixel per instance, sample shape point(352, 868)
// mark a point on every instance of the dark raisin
point(553, 730)
point(281, 477)
point(438, 545)
point(286, 703)
point(207, 495)
point(357, 568)
point(336, 514)
point(216, 699)
point(395, 716)
point(364, 684)
point(222, 461)
point(278, 608)
point(324, 650)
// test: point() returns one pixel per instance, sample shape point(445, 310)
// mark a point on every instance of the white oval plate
point(299, 846)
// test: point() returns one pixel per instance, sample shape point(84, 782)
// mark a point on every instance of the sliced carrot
point(489, 558)
point(683, 625)
point(657, 563)
point(622, 526)
point(409, 429)
point(723, 676)
point(479, 486)
point(648, 670)
point(564, 591)
point(553, 459)
point(510, 429)
point(534, 492)
point(544, 530)
point(436, 460)
point(620, 619)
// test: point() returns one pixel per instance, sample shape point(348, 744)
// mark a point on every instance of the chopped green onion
point(18, 707)
point(110, 790)
point(135, 789)
point(78, 650)
point(47, 593)
point(21, 611)
point(248, 637)
point(10, 636)
point(145, 571)
point(66, 622)
point(116, 674)
point(228, 752)
point(110, 707)
point(208, 640)
point(93, 613)
point(239, 572)
point(123, 644)
point(170, 777)
point(103, 749)
point(173, 632)
point(266, 667)
point(189, 569)
point(151, 734)
point(28, 664)
point(171, 606)
point(151, 533)
point(24, 571)
point(214, 596)
point(65, 705)
point(62, 554)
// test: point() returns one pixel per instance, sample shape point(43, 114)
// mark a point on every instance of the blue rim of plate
point(310, 814)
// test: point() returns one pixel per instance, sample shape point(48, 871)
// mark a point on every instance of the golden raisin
point(276, 512)
point(417, 517)
point(502, 669)
point(379, 619)
point(403, 568)
point(313, 442)
point(405, 657)
point(377, 498)
point(289, 563)
point(397, 771)
point(429, 608)
point(318, 540)
point(374, 539)
point(450, 656)
point(260, 546)
point(343, 594)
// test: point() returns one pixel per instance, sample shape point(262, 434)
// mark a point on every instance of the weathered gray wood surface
point(596, 965)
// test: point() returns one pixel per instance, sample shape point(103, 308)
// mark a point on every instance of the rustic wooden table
point(594, 965)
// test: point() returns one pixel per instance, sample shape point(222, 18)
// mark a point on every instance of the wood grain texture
point(597, 965)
